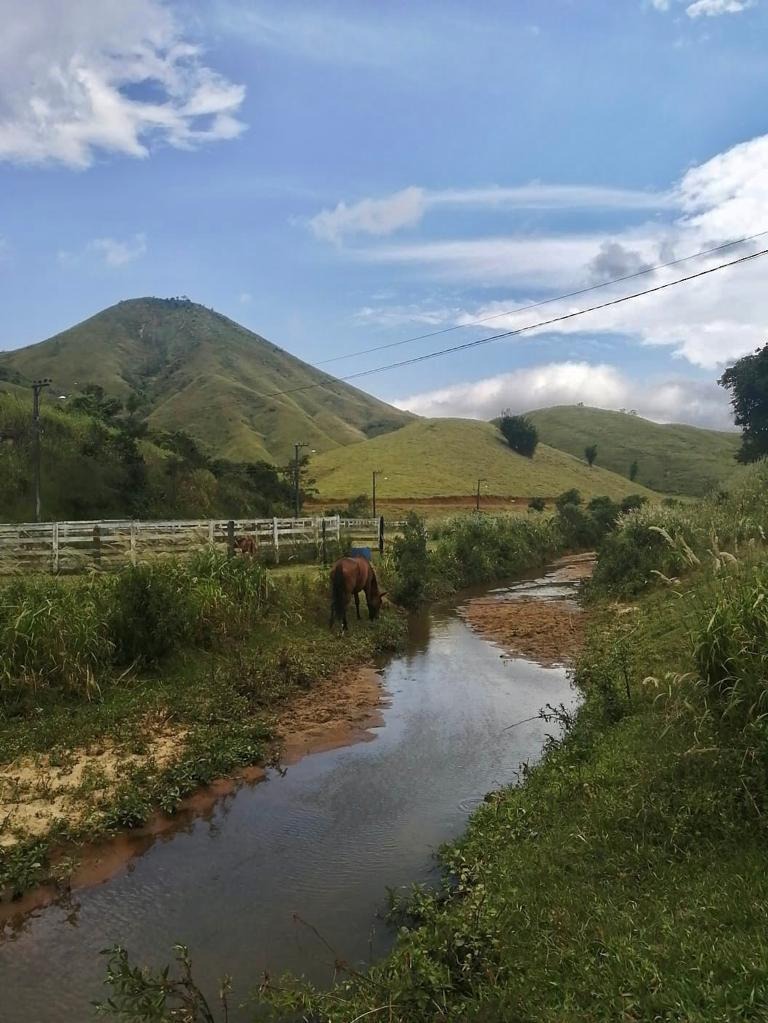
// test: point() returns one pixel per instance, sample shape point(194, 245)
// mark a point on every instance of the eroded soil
point(546, 630)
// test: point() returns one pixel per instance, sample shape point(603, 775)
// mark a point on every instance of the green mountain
point(432, 458)
point(186, 367)
point(673, 459)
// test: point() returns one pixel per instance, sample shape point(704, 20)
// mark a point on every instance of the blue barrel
point(360, 552)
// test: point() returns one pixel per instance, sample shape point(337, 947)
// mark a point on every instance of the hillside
point(445, 457)
point(190, 368)
point(674, 459)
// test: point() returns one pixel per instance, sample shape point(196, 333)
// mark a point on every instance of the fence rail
point(109, 543)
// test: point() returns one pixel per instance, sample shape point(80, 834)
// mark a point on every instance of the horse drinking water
point(348, 577)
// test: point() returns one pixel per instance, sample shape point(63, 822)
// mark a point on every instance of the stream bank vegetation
point(120, 694)
point(626, 878)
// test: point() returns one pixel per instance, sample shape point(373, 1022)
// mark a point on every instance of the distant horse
point(348, 577)
point(246, 545)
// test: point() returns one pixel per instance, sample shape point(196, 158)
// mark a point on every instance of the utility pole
point(477, 503)
point(297, 477)
point(37, 387)
point(374, 474)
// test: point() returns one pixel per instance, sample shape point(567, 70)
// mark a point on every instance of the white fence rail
point(105, 543)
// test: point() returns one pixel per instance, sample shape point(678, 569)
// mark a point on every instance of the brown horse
point(247, 545)
point(348, 577)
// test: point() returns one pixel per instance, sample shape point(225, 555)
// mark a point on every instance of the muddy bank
point(35, 794)
point(548, 629)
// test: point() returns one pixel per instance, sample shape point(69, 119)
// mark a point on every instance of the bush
point(537, 504)
point(411, 562)
point(154, 611)
point(571, 496)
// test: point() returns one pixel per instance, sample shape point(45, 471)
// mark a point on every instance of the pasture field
point(442, 460)
point(671, 458)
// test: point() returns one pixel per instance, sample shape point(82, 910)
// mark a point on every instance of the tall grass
point(663, 541)
point(69, 634)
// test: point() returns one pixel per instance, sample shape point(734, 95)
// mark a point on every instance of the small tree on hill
point(633, 470)
point(520, 433)
point(590, 453)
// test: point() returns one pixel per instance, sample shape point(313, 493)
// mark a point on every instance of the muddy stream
point(271, 876)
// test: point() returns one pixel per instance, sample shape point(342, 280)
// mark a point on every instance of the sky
point(340, 176)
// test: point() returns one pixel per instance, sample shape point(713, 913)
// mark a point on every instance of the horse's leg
point(344, 622)
point(357, 604)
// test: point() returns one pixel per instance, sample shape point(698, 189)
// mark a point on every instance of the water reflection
point(250, 886)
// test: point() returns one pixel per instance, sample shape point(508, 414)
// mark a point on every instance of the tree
point(519, 432)
point(590, 453)
point(747, 380)
point(633, 470)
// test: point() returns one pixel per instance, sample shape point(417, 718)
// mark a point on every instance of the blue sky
point(338, 175)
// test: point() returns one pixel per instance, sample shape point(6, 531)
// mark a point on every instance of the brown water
point(318, 846)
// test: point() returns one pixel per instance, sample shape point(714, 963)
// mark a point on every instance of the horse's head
point(375, 600)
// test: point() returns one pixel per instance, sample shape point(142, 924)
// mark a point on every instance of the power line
point(518, 330)
point(547, 301)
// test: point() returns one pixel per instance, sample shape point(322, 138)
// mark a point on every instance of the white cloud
point(370, 216)
point(111, 252)
point(566, 383)
point(660, 5)
point(245, 298)
point(714, 8)
point(80, 77)
point(407, 207)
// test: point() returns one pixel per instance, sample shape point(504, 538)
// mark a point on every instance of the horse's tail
point(338, 594)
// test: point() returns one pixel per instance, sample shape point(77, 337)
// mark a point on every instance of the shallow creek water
point(246, 884)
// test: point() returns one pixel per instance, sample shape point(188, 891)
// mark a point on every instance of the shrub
point(537, 504)
point(571, 496)
point(154, 612)
point(411, 562)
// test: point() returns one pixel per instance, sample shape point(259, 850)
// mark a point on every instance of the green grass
point(673, 459)
point(201, 372)
point(445, 457)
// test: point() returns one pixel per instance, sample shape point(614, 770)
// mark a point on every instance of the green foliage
point(568, 497)
point(747, 380)
point(411, 562)
point(590, 454)
point(100, 465)
point(520, 433)
point(671, 458)
point(537, 504)
point(356, 508)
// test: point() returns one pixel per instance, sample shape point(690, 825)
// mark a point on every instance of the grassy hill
point(433, 458)
point(188, 367)
point(674, 459)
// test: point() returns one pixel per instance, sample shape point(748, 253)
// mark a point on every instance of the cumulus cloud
point(407, 207)
point(714, 8)
point(566, 383)
point(111, 252)
point(80, 78)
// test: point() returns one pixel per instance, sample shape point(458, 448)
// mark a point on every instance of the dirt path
point(546, 630)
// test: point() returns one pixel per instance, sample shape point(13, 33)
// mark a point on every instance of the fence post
point(231, 538)
point(211, 532)
point(381, 535)
point(97, 544)
point(55, 546)
point(276, 540)
point(132, 543)
point(325, 548)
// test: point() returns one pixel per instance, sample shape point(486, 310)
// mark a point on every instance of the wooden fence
point(105, 544)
